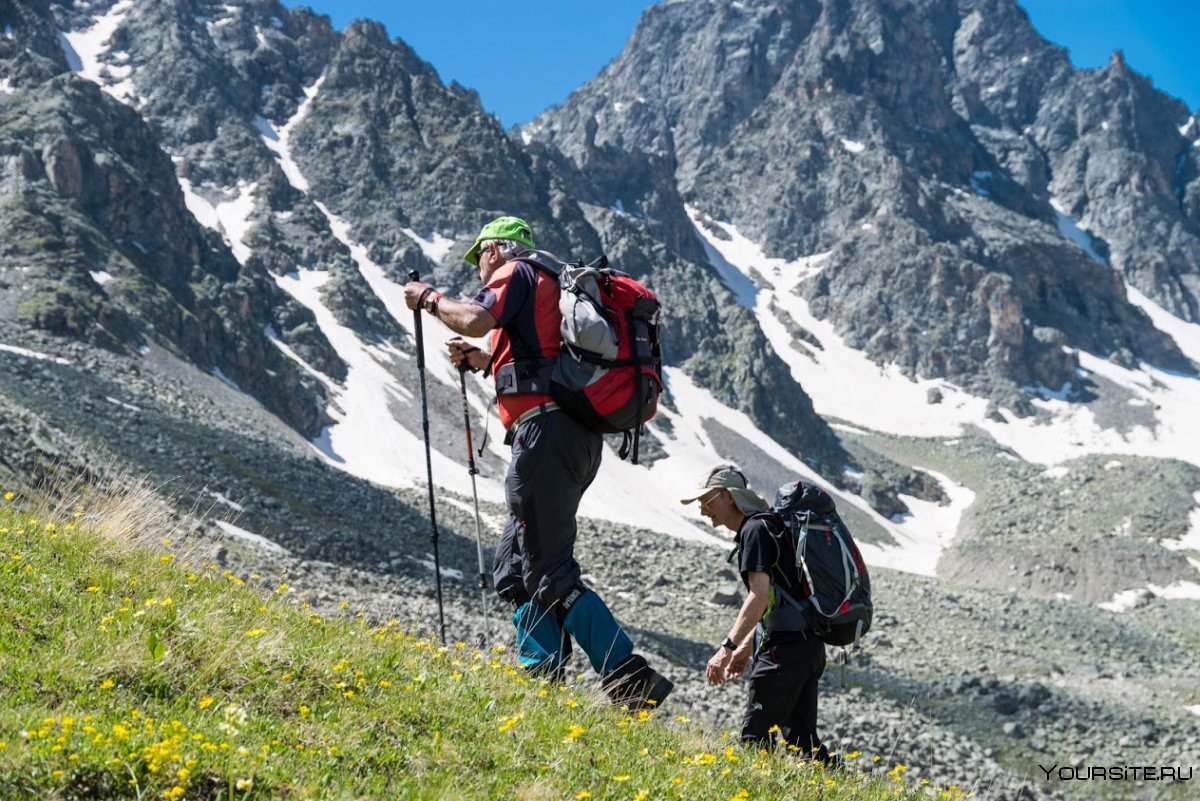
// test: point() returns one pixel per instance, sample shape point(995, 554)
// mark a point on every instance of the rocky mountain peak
point(897, 136)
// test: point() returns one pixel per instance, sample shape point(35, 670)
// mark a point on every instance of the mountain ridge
point(895, 258)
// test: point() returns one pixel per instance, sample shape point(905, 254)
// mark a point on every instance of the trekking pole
point(462, 376)
point(433, 538)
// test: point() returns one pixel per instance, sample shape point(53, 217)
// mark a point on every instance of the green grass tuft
point(133, 671)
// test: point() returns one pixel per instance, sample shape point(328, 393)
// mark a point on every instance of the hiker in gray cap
point(787, 660)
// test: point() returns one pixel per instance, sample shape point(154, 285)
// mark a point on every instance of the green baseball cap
point(512, 228)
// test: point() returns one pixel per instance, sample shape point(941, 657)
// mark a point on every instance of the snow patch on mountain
point(1125, 600)
point(33, 354)
point(1076, 233)
point(738, 283)
point(279, 141)
point(845, 384)
point(129, 407)
point(224, 501)
point(227, 381)
point(273, 337)
point(841, 381)
point(366, 440)
point(1131, 599)
point(446, 572)
point(925, 532)
point(435, 248)
point(85, 51)
point(1191, 540)
point(249, 537)
point(229, 217)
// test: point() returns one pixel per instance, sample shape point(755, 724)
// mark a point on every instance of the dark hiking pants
point(783, 692)
point(554, 460)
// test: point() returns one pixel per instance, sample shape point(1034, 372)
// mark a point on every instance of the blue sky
point(526, 55)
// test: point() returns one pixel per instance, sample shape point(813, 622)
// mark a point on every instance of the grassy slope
point(129, 673)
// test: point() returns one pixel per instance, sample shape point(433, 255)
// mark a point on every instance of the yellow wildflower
point(107, 684)
point(205, 702)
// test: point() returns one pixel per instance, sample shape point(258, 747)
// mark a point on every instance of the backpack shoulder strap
point(775, 525)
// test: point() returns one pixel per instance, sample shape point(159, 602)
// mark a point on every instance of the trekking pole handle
point(414, 276)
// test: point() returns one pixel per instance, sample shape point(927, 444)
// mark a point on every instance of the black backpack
point(837, 607)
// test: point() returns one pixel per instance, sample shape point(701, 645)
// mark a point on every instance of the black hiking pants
point(554, 460)
point(783, 692)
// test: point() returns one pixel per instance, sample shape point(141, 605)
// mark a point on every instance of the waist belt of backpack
point(787, 616)
point(540, 409)
point(536, 411)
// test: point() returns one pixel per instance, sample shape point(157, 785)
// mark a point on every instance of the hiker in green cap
point(554, 460)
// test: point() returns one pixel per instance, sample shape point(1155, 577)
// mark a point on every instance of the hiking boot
point(636, 685)
point(656, 689)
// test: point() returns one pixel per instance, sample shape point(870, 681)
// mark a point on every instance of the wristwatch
point(728, 644)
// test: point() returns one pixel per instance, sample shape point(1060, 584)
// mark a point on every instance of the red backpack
point(608, 374)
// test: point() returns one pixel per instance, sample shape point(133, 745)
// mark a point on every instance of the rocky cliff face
point(937, 151)
point(101, 247)
point(280, 130)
